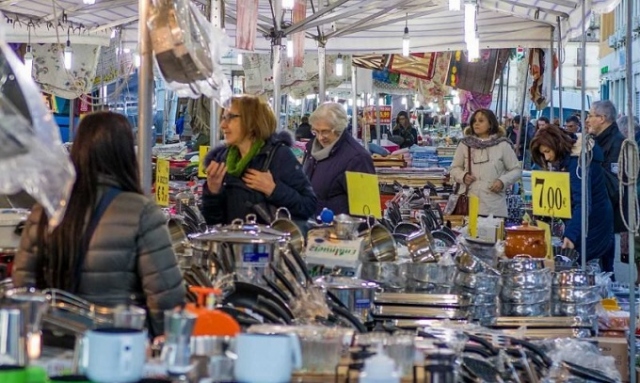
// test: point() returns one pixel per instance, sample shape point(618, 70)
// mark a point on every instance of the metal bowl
point(482, 282)
point(573, 278)
point(538, 279)
point(520, 264)
point(432, 273)
point(525, 296)
point(468, 263)
point(561, 309)
point(390, 275)
point(535, 310)
point(575, 295)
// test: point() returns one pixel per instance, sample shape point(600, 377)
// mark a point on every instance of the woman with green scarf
point(254, 172)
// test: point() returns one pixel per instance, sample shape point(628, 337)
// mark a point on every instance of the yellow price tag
point(474, 208)
point(551, 192)
point(364, 194)
point(203, 150)
point(162, 182)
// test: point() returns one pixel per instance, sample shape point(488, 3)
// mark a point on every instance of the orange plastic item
point(210, 322)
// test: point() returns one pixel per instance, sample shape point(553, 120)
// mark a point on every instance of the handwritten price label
point(551, 194)
point(203, 150)
point(162, 182)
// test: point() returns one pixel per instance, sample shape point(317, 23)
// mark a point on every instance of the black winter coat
point(610, 140)
point(236, 200)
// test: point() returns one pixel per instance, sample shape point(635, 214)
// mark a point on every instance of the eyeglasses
point(323, 133)
point(229, 116)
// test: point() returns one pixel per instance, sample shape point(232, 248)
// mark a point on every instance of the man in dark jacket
point(304, 129)
point(601, 123)
point(332, 153)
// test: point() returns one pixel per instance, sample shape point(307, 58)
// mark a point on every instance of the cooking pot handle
point(237, 222)
point(523, 256)
point(251, 219)
point(284, 210)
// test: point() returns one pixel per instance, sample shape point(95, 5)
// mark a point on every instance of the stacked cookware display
point(478, 285)
point(574, 293)
point(526, 287)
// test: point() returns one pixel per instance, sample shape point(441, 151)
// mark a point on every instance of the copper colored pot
point(525, 239)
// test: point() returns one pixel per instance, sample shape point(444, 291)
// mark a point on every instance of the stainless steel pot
point(538, 279)
point(535, 310)
point(486, 251)
point(467, 298)
point(246, 249)
point(481, 282)
point(525, 296)
point(287, 226)
point(573, 278)
point(390, 275)
point(468, 263)
point(420, 245)
point(379, 245)
point(573, 309)
point(520, 264)
point(346, 226)
point(577, 295)
point(482, 311)
point(432, 273)
point(355, 294)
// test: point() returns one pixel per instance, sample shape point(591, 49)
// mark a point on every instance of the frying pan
point(276, 289)
point(282, 279)
point(244, 319)
point(246, 295)
point(301, 263)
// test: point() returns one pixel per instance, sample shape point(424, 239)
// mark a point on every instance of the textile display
point(420, 65)
point(299, 14)
point(478, 76)
point(247, 24)
point(472, 101)
point(537, 68)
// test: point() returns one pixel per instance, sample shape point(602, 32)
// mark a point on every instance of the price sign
point(202, 154)
point(364, 194)
point(551, 192)
point(162, 182)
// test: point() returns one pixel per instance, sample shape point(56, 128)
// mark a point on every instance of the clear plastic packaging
point(188, 50)
point(32, 156)
point(577, 352)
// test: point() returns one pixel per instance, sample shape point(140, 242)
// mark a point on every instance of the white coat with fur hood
point(491, 159)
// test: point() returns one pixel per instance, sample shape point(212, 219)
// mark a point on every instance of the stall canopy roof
point(352, 26)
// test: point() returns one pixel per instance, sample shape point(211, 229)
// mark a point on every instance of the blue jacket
point(236, 200)
point(328, 176)
point(600, 222)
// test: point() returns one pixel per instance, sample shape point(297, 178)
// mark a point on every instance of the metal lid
point(345, 283)
point(240, 231)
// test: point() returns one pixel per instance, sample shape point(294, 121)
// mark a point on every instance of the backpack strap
point(109, 195)
point(271, 152)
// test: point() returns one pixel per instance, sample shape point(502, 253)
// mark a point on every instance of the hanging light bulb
point(406, 43)
point(381, 101)
point(339, 65)
point(239, 59)
point(350, 102)
point(113, 33)
point(404, 100)
point(68, 56)
point(469, 21)
point(89, 2)
point(290, 48)
point(287, 4)
point(473, 49)
point(136, 60)
point(28, 56)
point(454, 5)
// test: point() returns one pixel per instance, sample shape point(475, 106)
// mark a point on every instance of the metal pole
point(583, 155)
point(550, 78)
point(322, 72)
point(523, 120)
point(376, 99)
point(276, 50)
point(354, 98)
point(506, 101)
point(215, 16)
point(499, 100)
point(631, 155)
point(560, 62)
point(71, 119)
point(145, 98)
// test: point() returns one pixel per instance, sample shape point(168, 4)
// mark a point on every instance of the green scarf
point(237, 164)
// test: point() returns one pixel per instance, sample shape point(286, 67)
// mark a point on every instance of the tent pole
point(524, 121)
point(215, 16)
point(71, 119)
point(583, 154)
point(376, 99)
point(145, 98)
point(560, 63)
point(506, 101)
point(354, 98)
point(276, 51)
point(631, 155)
point(322, 72)
point(500, 93)
point(549, 73)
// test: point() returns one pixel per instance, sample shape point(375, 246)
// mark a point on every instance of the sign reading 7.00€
point(551, 192)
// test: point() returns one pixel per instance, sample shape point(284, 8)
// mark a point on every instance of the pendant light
point(454, 5)
point(89, 2)
point(68, 52)
point(288, 4)
point(239, 59)
point(406, 43)
point(290, 48)
point(28, 56)
point(339, 65)
point(469, 21)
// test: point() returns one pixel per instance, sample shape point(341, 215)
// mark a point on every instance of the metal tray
point(430, 300)
point(550, 333)
point(543, 322)
point(417, 312)
point(419, 323)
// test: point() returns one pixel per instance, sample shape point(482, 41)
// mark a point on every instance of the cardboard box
point(618, 349)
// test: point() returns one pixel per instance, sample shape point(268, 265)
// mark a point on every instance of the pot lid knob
point(326, 216)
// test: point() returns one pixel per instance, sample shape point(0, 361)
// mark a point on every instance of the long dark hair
point(554, 138)
point(103, 145)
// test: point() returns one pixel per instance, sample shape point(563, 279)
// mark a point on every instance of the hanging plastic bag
point(32, 156)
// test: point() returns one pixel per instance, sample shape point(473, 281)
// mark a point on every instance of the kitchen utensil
point(525, 239)
point(406, 228)
point(573, 278)
point(529, 310)
point(389, 275)
point(519, 264)
point(287, 226)
point(355, 294)
point(247, 294)
point(480, 282)
point(114, 355)
point(573, 309)
point(575, 294)
point(346, 226)
point(13, 349)
point(33, 305)
point(284, 356)
point(420, 245)
point(379, 245)
point(486, 251)
point(432, 273)
point(525, 296)
point(537, 279)
point(178, 327)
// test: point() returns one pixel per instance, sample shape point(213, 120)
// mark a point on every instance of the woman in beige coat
point(494, 165)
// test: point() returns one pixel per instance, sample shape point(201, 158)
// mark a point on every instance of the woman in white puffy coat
point(494, 164)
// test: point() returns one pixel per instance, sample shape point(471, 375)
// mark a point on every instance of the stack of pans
point(526, 287)
point(478, 286)
point(574, 294)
